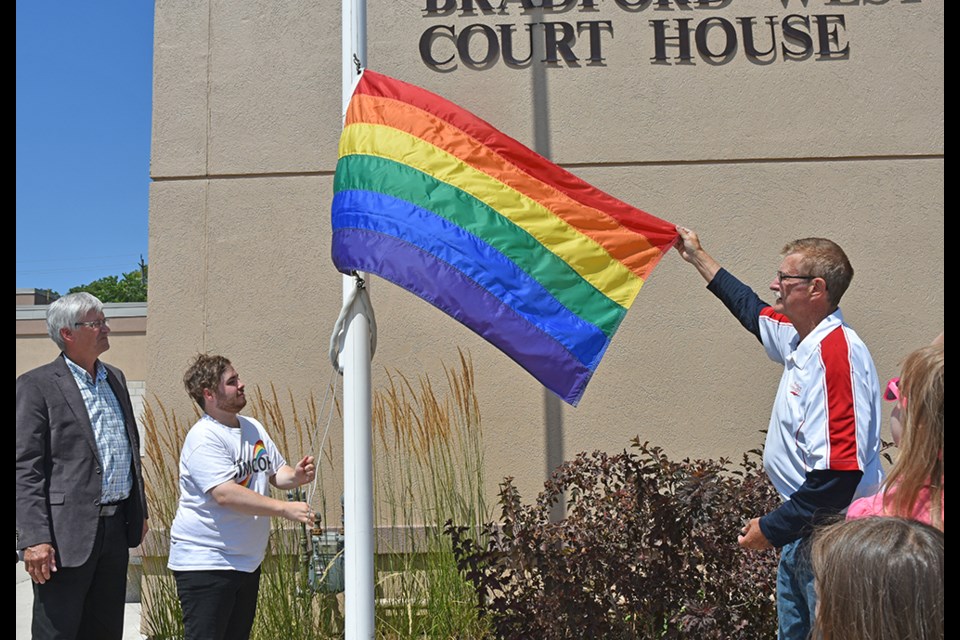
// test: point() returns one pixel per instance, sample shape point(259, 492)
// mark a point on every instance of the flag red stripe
point(659, 233)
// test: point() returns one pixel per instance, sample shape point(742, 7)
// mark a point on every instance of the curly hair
point(204, 372)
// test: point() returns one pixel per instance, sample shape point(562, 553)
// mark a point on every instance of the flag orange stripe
point(660, 233)
point(632, 249)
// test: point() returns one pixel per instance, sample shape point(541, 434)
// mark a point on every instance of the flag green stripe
point(372, 173)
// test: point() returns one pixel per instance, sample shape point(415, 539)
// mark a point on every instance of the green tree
point(130, 287)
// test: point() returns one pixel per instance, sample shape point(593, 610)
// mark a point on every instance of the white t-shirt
point(827, 411)
point(205, 535)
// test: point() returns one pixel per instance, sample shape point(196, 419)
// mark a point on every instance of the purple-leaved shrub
point(648, 549)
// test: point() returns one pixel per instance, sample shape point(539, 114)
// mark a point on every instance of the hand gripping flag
point(524, 253)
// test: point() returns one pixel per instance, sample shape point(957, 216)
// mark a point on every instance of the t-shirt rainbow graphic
point(259, 462)
point(524, 253)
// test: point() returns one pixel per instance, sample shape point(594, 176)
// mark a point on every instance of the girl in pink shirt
point(914, 487)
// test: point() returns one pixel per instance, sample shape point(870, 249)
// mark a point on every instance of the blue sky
point(84, 83)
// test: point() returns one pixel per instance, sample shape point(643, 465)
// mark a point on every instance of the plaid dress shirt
point(109, 430)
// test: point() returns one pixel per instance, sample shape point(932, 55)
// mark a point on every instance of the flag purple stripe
point(453, 292)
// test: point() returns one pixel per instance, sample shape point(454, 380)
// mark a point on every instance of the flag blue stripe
point(477, 260)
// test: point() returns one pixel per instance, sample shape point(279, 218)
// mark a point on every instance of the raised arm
point(688, 246)
point(742, 301)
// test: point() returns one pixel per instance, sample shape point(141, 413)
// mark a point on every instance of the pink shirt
point(873, 506)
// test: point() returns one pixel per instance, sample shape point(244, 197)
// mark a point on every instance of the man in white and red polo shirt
point(823, 442)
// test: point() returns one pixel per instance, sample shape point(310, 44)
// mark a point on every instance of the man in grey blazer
point(80, 497)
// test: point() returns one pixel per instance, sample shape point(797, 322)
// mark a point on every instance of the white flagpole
point(355, 360)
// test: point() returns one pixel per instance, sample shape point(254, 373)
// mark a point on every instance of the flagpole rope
point(331, 390)
point(360, 296)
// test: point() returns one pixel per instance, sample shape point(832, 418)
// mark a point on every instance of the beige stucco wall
point(34, 348)
point(246, 118)
point(128, 341)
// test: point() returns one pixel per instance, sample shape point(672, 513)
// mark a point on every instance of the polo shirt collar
point(810, 345)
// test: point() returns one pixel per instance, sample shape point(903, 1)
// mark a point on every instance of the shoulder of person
point(252, 421)
point(204, 434)
point(114, 370)
point(44, 371)
point(866, 506)
point(262, 432)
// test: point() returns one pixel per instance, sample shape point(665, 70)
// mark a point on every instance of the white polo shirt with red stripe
point(827, 411)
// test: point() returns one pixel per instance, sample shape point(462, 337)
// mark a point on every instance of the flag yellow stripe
point(626, 245)
point(585, 255)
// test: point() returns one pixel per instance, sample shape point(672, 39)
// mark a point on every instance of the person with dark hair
point(80, 501)
point(823, 440)
point(878, 578)
point(219, 535)
point(914, 487)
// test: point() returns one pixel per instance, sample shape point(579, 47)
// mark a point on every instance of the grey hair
point(64, 312)
point(824, 259)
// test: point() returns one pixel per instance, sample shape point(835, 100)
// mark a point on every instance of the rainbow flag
point(524, 253)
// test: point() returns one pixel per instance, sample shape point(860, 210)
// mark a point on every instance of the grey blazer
point(58, 465)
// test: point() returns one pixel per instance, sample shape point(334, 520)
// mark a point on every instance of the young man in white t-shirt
point(219, 535)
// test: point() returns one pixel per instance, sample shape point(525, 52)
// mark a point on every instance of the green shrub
point(648, 549)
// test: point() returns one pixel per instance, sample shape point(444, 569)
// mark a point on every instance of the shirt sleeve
point(865, 507)
point(276, 458)
point(822, 496)
point(742, 301)
point(208, 461)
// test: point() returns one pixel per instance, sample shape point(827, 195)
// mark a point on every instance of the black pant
point(217, 605)
point(87, 601)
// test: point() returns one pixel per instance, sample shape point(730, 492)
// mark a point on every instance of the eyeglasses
point(96, 324)
point(781, 276)
point(892, 392)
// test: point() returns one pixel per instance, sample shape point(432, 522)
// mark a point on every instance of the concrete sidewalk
point(24, 595)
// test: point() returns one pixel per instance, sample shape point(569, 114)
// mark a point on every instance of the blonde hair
point(878, 578)
point(920, 463)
